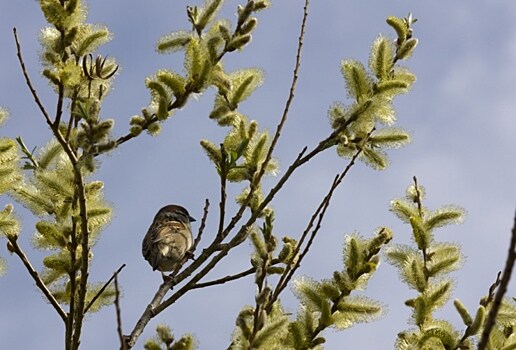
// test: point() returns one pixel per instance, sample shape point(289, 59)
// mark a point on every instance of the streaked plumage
point(168, 239)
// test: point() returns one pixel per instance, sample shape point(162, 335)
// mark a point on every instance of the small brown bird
point(168, 239)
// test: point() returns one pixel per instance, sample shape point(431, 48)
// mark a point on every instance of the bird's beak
point(191, 219)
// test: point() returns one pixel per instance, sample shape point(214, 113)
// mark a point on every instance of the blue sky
point(461, 114)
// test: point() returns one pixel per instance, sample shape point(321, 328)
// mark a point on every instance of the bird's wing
point(165, 230)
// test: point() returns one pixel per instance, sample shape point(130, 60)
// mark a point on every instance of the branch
point(320, 212)
point(492, 289)
point(225, 279)
point(223, 194)
point(123, 345)
point(28, 81)
point(147, 314)
point(502, 289)
point(202, 226)
point(153, 308)
point(103, 288)
point(15, 248)
point(277, 134)
point(79, 182)
point(291, 92)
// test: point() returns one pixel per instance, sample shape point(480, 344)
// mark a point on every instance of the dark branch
point(15, 248)
point(502, 289)
point(123, 345)
point(103, 288)
point(320, 213)
point(202, 226)
point(225, 279)
point(28, 81)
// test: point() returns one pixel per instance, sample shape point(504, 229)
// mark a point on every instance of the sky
point(460, 114)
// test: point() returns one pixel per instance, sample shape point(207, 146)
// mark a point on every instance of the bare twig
point(202, 226)
point(73, 279)
point(320, 213)
point(421, 214)
point(15, 248)
point(293, 86)
point(492, 290)
point(225, 279)
point(502, 289)
point(103, 288)
point(223, 194)
point(256, 180)
point(28, 81)
point(123, 345)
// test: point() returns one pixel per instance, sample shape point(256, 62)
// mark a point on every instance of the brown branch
point(101, 290)
point(28, 81)
point(123, 345)
point(147, 314)
point(502, 289)
point(202, 226)
point(492, 290)
point(292, 90)
point(16, 249)
point(225, 279)
point(277, 134)
point(79, 182)
point(320, 213)
point(223, 195)
point(73, 280)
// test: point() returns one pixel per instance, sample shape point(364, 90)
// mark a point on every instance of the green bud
point(136, 120)
point(135, 130)
point(238, 42)
point(224, 32)
point(410, 302)
point(146, 114)
point(165, 334)
point(260, 5)
point(248, 26)
point(406, 49)
point(154, 129)
point(463, 312)
point(317, 341)
point(478, 322)
point(263, 296)
point(275, 270)
point(47, 73)
point(399, 26)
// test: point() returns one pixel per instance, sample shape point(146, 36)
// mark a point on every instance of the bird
point(168, 239)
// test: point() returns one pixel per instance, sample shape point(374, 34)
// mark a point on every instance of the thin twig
point(15, 248)
point(225, 279)
point(492, 290)
point(256, 180)
point(292, 90)
point(320, 213)
point(421, 215)
point(223, 194)
point(202, 226)
point(73, 275)
point(103, 288)
point(123, 345)
point(502, 289)
point(28, 81)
